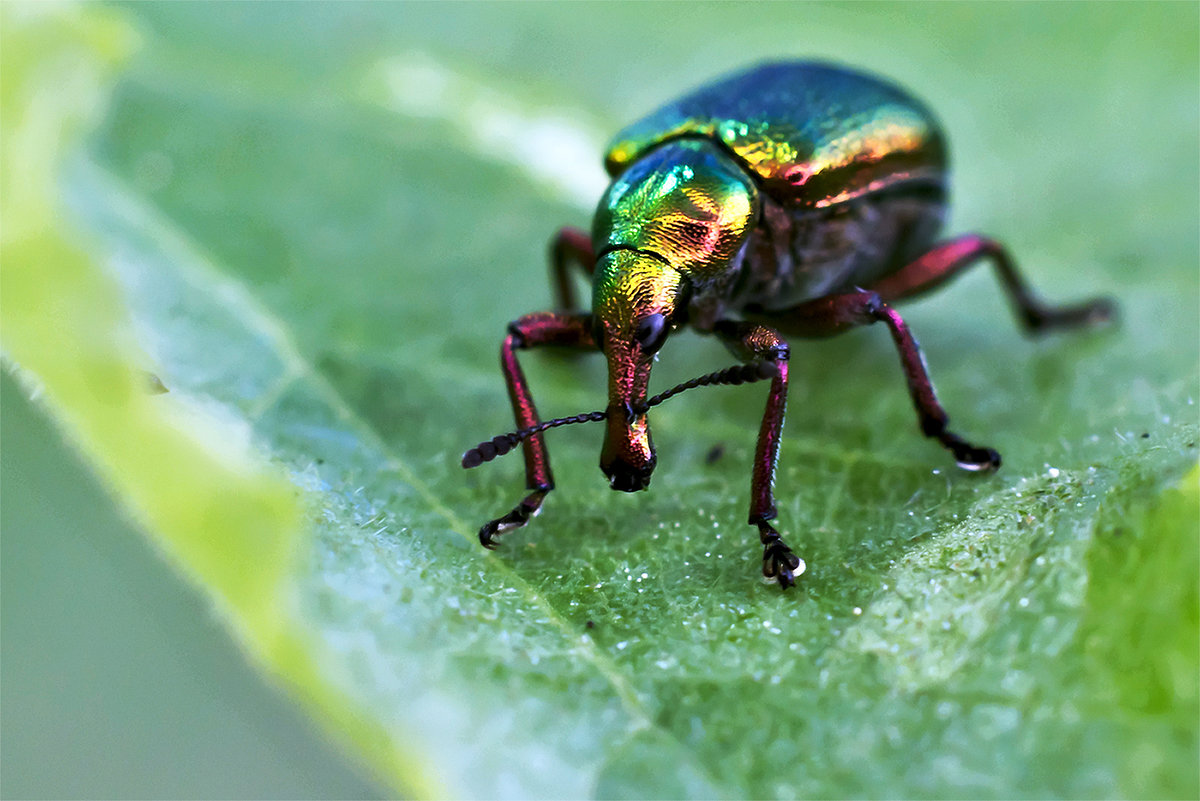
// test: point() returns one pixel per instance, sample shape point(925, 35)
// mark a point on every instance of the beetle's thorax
point(687, 201)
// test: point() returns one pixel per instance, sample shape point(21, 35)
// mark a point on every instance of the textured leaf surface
point(319, 220)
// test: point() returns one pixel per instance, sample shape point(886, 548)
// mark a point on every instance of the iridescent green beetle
point(795, 198)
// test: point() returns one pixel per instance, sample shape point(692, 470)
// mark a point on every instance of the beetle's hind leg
point(834, 314)
point(944, 261)
point(757, 343)
point(532, 330)
point(569, 246)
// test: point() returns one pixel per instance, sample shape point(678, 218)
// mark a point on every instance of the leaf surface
point(312, 224)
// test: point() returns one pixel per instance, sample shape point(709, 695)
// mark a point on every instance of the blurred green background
point(118, 681)
point(270, 134)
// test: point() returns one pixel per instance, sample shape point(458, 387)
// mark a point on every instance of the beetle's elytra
point(795, 198)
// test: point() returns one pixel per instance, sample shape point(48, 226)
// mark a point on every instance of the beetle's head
point(637, 299)
point(669, 225)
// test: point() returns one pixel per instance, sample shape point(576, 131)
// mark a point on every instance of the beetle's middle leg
point(947, 259)
point(834, 314)
point(532, 330)
point(570, 245)
point(752, 342)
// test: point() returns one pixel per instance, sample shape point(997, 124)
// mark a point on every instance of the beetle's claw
point(970, 457)
point(977, 460)
point(779, 561)
point(488, 532)
point(519, 516)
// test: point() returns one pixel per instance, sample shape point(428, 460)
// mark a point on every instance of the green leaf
point(311, 224)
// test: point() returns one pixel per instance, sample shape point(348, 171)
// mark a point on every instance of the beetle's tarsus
point(519, 516)
point(971, 457)
point(967, 456)
point(487, 533)
point(978, 460)
point(779, 561)
point(1102, 311)
point(1039, 319)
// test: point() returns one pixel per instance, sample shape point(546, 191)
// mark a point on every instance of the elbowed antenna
point(738, 374)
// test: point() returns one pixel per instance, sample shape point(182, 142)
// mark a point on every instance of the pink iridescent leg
point(834, 314)
point(569, 245)
point(752, 342)
point(946, 260)
point(533, 330)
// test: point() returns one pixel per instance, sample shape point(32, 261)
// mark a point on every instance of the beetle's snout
point(628, 457)
point(627, 477)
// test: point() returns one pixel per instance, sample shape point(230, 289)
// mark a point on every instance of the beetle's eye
point(651, 333)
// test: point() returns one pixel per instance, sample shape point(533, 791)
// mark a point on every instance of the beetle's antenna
point(738, 374)
point(498, 446)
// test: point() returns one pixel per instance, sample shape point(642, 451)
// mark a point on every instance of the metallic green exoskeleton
point(794, 198)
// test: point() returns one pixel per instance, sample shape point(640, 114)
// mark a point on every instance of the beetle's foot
point(519, 516)
point(968, 456)
point(1041, 319)
point(779, 562)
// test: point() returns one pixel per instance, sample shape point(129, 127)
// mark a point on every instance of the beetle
point(792, 199)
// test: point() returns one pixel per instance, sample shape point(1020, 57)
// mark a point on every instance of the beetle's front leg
point(752, 342)
point(532, 330)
